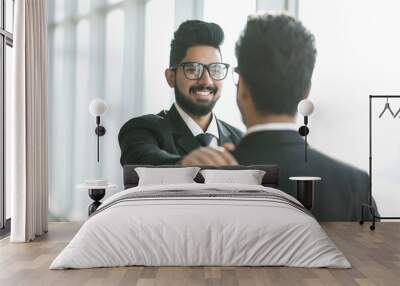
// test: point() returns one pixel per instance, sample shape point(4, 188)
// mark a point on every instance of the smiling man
point(196, 74)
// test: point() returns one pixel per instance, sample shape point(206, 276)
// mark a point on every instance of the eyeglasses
point(194, 71)
point(235, 76)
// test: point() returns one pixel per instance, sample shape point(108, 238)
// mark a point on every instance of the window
point(6, 43)
point(232, 23)
point(94, 51)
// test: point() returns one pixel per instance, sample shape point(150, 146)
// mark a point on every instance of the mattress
point(201, 225)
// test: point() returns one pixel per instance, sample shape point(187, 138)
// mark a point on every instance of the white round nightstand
point(305, 190)
point(96, 193)
point(305, 178)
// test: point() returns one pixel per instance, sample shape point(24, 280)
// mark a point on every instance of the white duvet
point(183, 231)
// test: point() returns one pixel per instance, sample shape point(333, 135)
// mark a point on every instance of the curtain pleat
point(28, 118)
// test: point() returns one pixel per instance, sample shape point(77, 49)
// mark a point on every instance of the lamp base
point(303, 130)
point(96, 195)
point(305, 193)
point(100, 130)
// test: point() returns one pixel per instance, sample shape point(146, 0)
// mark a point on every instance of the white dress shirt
point(196, 129)
point(272, 126)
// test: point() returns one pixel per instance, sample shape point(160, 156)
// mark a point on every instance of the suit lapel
point(224, 134)
point(187, 143)
point(182, 135)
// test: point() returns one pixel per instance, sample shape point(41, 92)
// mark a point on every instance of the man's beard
point(192, 107)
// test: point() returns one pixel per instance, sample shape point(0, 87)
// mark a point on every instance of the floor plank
point(374, 255)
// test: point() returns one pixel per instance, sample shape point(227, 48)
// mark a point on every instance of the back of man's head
point(194, 33)
point(276, 57)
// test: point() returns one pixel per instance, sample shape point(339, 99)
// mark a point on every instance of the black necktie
point(204, 139)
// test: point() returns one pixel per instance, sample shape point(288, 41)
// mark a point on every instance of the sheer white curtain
point(26, 117)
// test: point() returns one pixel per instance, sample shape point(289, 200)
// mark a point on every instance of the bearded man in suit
point(196, 73)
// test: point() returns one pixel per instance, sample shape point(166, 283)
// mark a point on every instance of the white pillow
point(248, 177)
point(163, 176)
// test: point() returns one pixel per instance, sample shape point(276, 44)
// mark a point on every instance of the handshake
point(210, 156)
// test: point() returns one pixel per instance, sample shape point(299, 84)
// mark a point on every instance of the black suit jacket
point(338, 197)
point(164, 138)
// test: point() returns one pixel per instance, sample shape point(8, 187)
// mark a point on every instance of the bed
point(201, 224)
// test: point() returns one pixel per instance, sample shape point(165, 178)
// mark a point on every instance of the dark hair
point(276, 57)
point(193, 33)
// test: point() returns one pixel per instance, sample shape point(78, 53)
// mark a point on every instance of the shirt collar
point(194, 127)
point(272, 126)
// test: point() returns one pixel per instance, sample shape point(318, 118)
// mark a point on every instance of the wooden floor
point(375, 256)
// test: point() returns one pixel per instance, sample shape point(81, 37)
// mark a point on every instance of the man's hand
point(229, 147)
point(208, 156)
